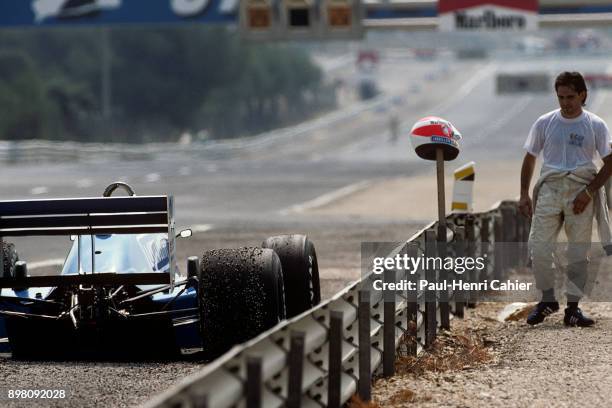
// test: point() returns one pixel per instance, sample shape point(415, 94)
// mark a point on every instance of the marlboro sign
point(491, 15)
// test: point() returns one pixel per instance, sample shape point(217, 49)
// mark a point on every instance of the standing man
point(567, 193)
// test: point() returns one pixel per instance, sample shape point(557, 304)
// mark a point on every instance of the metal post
point(527, 232)
point(470, 237)
point(441, 193)
point(442, 278)
point(444, 307)
point(509, 234)
point(430, 296)
point(524, 238)
point(296, 370)
point(484, 246)
point(365, 349)
point(254, 382)
point(519, 239)
point(498, 247)
point(334, 379)
point(389, 327)
point(412, 306)
point(460, 252)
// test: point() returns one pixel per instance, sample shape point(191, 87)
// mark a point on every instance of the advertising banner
point(75, 12)
point(488, 15)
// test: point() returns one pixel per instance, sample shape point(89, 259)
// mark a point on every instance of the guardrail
point(12, 152)
point(324, 356)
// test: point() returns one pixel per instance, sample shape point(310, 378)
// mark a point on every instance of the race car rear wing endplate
point(90, 216)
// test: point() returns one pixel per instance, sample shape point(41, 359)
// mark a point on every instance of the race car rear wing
point(89, 216)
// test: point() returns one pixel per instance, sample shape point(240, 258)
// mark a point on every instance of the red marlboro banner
point(445, 6)
point(491, 15)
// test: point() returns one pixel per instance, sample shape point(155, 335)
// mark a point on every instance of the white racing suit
point(553, 196)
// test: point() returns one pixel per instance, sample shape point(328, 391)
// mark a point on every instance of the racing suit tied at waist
point(583, 175)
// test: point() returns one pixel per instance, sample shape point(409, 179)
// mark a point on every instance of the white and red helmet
point(431, 133)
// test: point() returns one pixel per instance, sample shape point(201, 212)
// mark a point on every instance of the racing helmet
point(432, 132)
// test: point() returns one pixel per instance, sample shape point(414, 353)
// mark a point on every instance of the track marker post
point(436, 139)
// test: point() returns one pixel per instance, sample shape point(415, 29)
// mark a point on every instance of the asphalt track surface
point(241, 200)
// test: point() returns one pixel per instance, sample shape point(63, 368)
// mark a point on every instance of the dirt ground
point(542, 366)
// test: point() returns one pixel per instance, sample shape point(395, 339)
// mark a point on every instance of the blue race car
point(120, 293)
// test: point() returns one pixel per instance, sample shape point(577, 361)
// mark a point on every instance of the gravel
point(542, 366)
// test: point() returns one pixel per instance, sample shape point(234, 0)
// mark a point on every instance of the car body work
point(119, 288)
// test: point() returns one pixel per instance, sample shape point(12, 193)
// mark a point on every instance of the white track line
point(326, 198)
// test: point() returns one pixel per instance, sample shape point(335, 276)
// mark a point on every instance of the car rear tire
point(9, 258)
point(300, 271)
point(240, 296)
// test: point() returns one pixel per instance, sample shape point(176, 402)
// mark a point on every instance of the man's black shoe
point(574, 317)
point(542, 309)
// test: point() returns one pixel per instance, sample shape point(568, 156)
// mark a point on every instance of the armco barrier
point(29, 151)
point(327, 354)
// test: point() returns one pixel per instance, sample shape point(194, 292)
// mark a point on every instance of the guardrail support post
point(509, 236)
point(460, 252)
point(335, 359)
point(296, 370)
point(520, 225)
point(484, 246)
point(523, 239)
point(365, 346)
point(430, 296)
point(389, 327)
point(443, 277)
point(470, 238)
point(498, 247)
point(412, 305)
point(254, 382)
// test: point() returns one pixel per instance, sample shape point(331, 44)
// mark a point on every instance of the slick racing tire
point(300, 271)
point(240, 295)
point(9, 259)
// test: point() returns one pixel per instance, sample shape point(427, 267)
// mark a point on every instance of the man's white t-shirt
point(567, 144)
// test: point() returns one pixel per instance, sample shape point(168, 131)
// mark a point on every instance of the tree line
point(158, 82)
